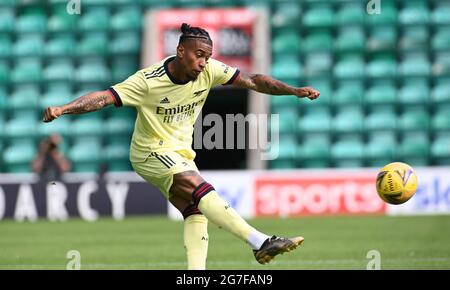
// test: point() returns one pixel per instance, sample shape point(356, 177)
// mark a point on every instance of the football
point(396, 183)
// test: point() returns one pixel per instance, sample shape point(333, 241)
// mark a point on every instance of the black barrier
point(89, 198)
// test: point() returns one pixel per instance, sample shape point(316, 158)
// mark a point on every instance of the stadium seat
point(6, 20)
point(414, 92)
point(415, 149)
point(62, 127)
point(288, 41)
point(349, 93)
point(119, 125)
point(441, 40)
point(30, 45)
point(96, 19)
point(352, 13)
point(116, 156)
point(414, 119)
point(316, 119)
point(348, 152)
point(27, 71)
point(415, 38)
point(283, 101)
point(21, 127)
point(382, 38)
point(24, 97)
point(287, 68)
point(34, 20)
point(441, 119)
point(381, 93)
point(63, 45)
point(88, 126)
point(5, 46)
point(380, 149)
point(350, 39)
point(349, 68)
point(318, 65)
point(94, 71)
point(18, 156)
point(317, 41)
point(440, 14)
point(125, 43)
point(317, 17)
point(93, 44)
point(383, 67)
point(441, 93)
point(123, 67)
point(287, 120)
point(56, 96)
point(414, 14)
point(314, 152)
point(85, 155)
point(61, 21)
point(127, 19)
point(415, 65)
point(287, 151)
point(440, 151)
point(441, 66)
point(381, 119)
point(59, 70)
point(4, 72)
point(349, 119)
point(286, 15)
point(387, 17)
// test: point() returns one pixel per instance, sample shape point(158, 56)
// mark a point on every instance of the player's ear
point(180, 51)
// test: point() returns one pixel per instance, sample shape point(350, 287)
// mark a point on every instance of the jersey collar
point(171, 77)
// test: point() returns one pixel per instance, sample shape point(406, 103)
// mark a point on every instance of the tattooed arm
point(267, 85)
point(87, 103)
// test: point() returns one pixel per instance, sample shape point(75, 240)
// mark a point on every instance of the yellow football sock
point(196, 241)
point(224, 216)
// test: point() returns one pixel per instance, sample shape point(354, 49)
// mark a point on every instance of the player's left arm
point(268, 85)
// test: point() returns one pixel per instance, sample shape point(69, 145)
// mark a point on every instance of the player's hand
point(51, 113)
point(308, 92)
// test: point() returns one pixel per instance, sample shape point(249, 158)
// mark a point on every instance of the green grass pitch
point(149, 242)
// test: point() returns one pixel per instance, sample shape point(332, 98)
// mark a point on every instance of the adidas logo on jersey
point(165, 101)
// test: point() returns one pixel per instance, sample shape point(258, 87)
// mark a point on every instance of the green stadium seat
point(318, 65)
point(316, 119)
point(287, 120)
point(18, 156)
point(5, 46)
point(414, 119)
point(441, 119)
point(385, 67)
point(352, 13)
point(127, 19)
point(287, 68)
point(415, 14)
point(126, 43)
point(116, 156)
point(92, 126)
point(23, 97)
point(287, 151)
point(283, 101)
point(6, 20)
point(349, 119)
point(59, 70)
point(62, 127)
point(314, 152)
point(288, 41)
point(85, 155)
point(31, 45)
point(4, 72)
point(93, 44)
point(27, 71)
point(97, 3)
point(387, 17)
point(415, 149)
point(317, 17)
point(381, 119)
point(286, 15)
point(381, 149)
point(348, 152)
point(349, 93)
point(441, 93)
point(55, 96)
point(381, 93)
point(62, 45)
point(440, 14)
point(123, 67)
point(21, 128)
point(414, 38)
point(349, 68)
point(323, 85)
point(96, 19)
point(61, 21)
point(441, 40)
point(382, 38)
point(440, 151)
point(350, 39)
point(441, 66)
point(318, 41)
point(32, 21)
point(119, 125)
point(414, 92)
point(415, 65)
point(94, 71)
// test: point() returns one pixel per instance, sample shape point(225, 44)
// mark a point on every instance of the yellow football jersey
point(166, 108)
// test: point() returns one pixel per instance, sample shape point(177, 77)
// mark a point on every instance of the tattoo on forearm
point(267, 85)
point(87, 103)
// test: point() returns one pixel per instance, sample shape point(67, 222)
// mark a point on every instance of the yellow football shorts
point(159, 168)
